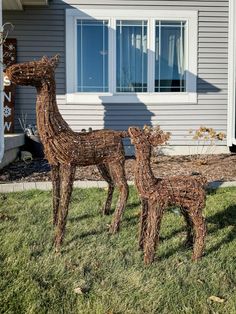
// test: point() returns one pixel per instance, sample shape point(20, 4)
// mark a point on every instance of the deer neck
point(144, 177)
point(49, 120)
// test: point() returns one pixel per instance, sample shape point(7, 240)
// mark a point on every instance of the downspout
point(1, 94)
point(231, 75)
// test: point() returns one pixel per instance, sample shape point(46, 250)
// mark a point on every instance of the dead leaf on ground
point(179, 264)
point(3, 217)
point(216, 299)
point(78, 290)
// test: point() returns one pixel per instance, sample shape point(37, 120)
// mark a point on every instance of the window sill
point(146, 98)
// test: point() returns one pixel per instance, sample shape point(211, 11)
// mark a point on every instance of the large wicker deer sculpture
point(66, 149)
point(185, 192)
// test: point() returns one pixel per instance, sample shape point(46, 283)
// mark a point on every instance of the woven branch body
point(186, 192)
point(66, 149)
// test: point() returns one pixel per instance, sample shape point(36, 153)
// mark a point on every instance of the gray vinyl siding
point(42, 32)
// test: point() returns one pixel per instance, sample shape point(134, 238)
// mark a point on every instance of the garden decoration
point(186, 192)
point(66, 149)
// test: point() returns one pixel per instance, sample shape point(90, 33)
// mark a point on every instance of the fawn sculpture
point(186, 192)
point(66, 149)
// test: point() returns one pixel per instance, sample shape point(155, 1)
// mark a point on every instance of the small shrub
point(205, 141)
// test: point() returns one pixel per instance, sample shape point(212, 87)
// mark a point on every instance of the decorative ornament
point(7, 111)
point(11, 47)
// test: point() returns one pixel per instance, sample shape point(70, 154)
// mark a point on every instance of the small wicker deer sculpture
point(66, 149)
point(186, 192)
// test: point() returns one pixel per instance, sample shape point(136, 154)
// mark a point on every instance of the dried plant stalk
point(66, 149)
point(186, 192)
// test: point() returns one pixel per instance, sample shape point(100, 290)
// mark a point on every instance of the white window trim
point(191, 19)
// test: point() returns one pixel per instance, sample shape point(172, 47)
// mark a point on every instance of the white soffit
point(12, 5)
point(18, 4)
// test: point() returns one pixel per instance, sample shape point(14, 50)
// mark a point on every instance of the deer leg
point(189, 223)
point(199, 225)
point(143, 222)
point(118, 175)
point(67, 174)
point(55, 175)
point(104, 171)
point(153, 230)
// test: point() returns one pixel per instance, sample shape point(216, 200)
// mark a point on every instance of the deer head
point(33, 73)
point(148, 137)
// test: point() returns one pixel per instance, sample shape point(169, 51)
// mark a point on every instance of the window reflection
point(131, 56)
point(169, 57)
point(92, 56)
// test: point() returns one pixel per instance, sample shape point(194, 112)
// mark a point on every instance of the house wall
point(41, 32)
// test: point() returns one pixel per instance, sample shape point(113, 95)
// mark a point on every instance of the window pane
point(169, 57)
point(131, 56)
point(92, 56)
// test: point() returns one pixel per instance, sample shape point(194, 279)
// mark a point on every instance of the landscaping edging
point(47, 185)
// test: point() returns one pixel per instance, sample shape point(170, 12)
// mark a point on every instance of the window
point(130, 56)
point(169, 57)
point(92, 56)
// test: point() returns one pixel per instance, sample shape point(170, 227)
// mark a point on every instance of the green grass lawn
point(109, 269)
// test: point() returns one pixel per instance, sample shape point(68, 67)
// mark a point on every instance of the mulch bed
point(215, 168)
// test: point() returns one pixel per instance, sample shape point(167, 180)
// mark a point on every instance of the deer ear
point(54, 61)
point(158, 138)
point(44, 59)
point(134, 131)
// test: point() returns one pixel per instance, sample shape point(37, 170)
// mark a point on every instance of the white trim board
point(191, 18)
point(231, 75)
point(173, 150)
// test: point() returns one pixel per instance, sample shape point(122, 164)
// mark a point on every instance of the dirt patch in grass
point(218, 168)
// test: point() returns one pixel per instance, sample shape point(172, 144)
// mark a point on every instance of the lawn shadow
point(82, 217)
point(221, 220)
point(6, 217)
point(225, 218)
point(133, 205)
point(36, 254)
point(131, 221)
point(91, 233)
point(181, 248)
point(173, 233)
point(86, 234)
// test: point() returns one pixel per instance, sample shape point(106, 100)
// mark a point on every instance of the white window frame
point(112, 15)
